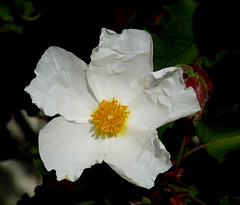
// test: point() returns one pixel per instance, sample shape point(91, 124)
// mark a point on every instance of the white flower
point(110, 109)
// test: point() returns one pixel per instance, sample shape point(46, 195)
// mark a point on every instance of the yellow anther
point(110, 117)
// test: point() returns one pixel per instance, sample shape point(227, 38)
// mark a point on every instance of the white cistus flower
point(110, 109)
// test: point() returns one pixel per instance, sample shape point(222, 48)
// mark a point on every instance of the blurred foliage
point(229, 201)
point(204, 153)
point(24, 9)
point(220, 134)
point(174, 41)
point(7, 21)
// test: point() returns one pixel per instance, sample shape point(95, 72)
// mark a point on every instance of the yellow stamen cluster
point(110, 117)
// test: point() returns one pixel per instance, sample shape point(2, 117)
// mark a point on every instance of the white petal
point(61, 87)
point(161, 97)
point(118, 60)
point(69, 148)
point(138, 156)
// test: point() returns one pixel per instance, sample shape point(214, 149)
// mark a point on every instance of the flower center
point(110, 117)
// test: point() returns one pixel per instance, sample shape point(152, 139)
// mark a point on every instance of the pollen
point(110, 117)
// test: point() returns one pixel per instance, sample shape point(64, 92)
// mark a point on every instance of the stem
point(196, 200)
point(192, 151)
point(198, 60)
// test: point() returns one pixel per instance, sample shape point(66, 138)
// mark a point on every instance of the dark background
point(76, 27)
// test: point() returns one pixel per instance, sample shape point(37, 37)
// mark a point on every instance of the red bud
point(195, 77)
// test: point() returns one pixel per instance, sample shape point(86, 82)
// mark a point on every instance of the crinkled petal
point(161, 97)
point(138, 156)
point(69, 148)
point(60, 86)
point(118, 60)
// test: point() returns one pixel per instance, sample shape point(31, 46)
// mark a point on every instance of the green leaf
point(38, 164)
point(7, 21)
point(220, 134)
point(11, 27)
point(5, 13)
point(87, 203)
point(146, 200)
point(163, 128)
point(175, 44)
